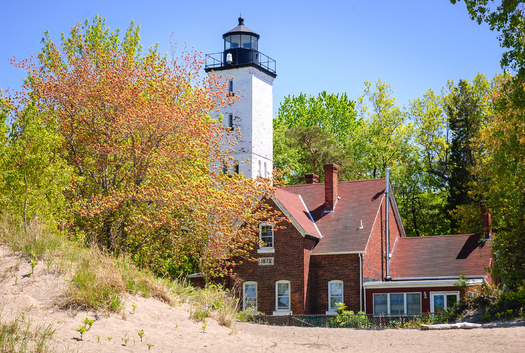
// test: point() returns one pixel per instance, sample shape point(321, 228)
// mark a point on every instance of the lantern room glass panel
point(232, 41)
point(246, 41)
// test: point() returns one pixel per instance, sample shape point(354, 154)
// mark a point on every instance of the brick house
point(332, 244)
point(333, 249)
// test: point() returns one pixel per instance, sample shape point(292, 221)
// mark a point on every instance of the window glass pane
point(333, 303)
point(413, 303)
point(283, 289)
point(451, 300)
point(283, 303)
point(283, 296)
point(254, 43)
point(397, 303)
point(236, 167)
point(439, 302)
point(336, 294)
point(250, 296)
point(267, 235)
point(227, 42)
point(380, 304)
point(336, 288)
point(246, 41)
point(235, 41)
point(228, 122)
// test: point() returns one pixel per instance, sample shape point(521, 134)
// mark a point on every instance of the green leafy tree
point(426, 200)
point(33, 175)
point(383, 139)
point(466, 106)
point(500, 171)
point(310, 131)
point(500, 179)
point(445, 126)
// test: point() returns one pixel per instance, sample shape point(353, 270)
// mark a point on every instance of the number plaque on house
point(266, 261)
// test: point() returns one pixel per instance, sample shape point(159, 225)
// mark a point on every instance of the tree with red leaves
point(144, 151)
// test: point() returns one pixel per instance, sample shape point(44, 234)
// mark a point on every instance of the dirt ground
point(170, 329)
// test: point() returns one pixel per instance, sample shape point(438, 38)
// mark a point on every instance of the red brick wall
point(308, 246)
point(291, 262)
point(325, 268)
point(373, 264)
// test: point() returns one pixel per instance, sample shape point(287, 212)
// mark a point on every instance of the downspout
point(361, 282)
point(387, 192)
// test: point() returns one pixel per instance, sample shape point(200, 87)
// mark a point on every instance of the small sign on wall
point(266, 261)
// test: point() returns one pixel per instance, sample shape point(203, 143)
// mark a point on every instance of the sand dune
point(170, 329)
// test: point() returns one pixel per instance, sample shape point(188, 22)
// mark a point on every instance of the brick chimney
point(311, 178)
point(330, 186)
point(486, 220)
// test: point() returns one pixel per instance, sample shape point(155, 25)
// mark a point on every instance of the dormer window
point(266, 236)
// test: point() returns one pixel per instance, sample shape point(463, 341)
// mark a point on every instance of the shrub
point(347, 318)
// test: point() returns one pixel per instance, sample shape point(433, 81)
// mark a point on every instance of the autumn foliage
point(136, 131)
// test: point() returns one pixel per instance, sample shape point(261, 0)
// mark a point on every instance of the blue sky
point(331, 45)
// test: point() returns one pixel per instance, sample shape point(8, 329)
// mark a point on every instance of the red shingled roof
point(440, 256)
point(298, 211)
point(358, 201)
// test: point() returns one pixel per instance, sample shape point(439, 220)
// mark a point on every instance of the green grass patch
point(20, 335)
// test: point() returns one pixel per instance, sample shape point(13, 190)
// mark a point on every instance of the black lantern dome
point(241, 49)
point(241, 37)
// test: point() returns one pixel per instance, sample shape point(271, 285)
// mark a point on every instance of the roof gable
point(358, 203)
point(295, 209)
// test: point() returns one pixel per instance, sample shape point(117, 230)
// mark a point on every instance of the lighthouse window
point(246, 41)
point(232, 41)
point(235, 41)
point(230, 87)
point(229, 122)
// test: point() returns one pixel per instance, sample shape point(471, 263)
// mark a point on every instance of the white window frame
point(405, 304)
point(244, 306)
point(387, 304)
point(283, 311)
point(262, 248)
point(333, 310)
point(432, 294)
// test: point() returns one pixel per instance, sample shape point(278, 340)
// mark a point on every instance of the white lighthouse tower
point(252, 75)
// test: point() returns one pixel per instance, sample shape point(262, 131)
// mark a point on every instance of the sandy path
point(169, 329)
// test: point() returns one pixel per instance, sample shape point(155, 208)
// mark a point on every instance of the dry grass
point(99, 281)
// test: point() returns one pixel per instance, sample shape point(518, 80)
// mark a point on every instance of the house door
point(442, 301)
